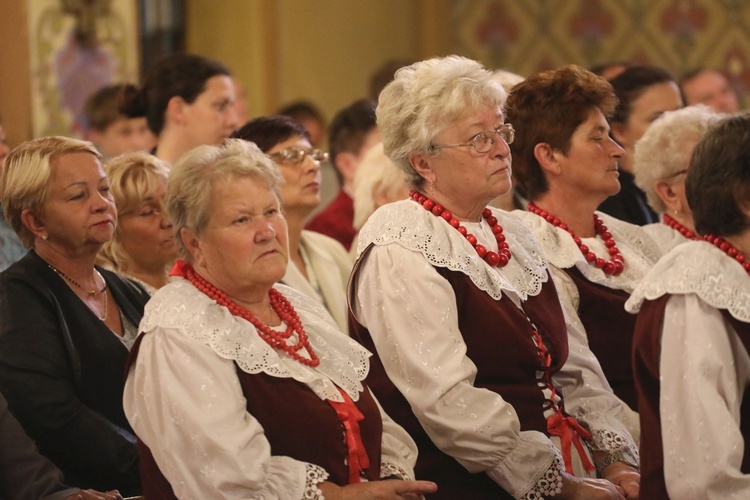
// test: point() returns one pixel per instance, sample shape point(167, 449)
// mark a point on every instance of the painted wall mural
point(533, 35)
point(77, 46)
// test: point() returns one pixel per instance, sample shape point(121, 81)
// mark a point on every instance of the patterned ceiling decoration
point(526, 36)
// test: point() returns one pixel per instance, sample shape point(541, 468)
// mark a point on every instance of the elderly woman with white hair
point(455, 299)
point(660, 165)
point(240, 387)
point(143, 247)
point(377, 181)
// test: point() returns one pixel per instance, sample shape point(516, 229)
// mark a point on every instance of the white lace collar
point(344, 362)
point(409, 225)
point(698, 267)
point(638, 249)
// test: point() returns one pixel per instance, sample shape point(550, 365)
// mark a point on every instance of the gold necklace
point(92, 293)
point(89, 293)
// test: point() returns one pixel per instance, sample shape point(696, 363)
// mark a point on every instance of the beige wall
point(15, 89)
point(280, 50)
point(322, 50)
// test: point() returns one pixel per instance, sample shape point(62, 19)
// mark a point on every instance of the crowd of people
point(524, 288)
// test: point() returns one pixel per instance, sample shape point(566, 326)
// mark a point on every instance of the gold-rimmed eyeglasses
point(483, 141)
point(295, 155)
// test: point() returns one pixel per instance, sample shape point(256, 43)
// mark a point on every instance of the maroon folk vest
point(609, 328)
point(297, 424)
point(646, 356)
point(499, 342)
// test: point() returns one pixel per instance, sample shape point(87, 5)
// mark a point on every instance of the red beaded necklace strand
point(687, 233)
point(729, 249)
point(499, 258)
point(279, 303)
point(616, 263)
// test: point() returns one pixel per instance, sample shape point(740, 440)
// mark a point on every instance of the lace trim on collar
point(343, 361)
point(407, 224)
point(637, 247)
point(699, 268)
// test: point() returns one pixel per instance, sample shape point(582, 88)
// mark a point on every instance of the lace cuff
point(314, 475)
point(550, 484)
point(617, 447)
point(390, 470)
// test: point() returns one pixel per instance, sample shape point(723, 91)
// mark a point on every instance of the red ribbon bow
point(570, 432)
point(350, 417)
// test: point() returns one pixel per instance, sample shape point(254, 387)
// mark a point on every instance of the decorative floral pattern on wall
point(526, 36)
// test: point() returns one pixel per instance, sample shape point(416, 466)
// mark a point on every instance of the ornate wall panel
point(525, 36)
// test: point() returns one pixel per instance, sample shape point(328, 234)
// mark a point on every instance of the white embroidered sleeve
point(411, 313)
point(185, 403)
point(704, 371)
point(588, 396)
point(398, 451)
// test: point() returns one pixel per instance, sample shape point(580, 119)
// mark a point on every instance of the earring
point(45, 237)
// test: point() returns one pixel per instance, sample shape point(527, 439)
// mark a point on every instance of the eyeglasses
point(483, 141)
point(295, 155)
point(679, 172)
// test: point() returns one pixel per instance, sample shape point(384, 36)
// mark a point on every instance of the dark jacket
point(61, 370)
point(24, 473)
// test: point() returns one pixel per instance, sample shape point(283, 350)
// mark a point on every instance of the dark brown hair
point(547, 108)
point(268, 131)
point(180, 75)
point(718, 181)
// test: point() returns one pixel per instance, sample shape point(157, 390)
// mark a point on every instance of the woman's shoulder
point(701, 269)
point(322, 244)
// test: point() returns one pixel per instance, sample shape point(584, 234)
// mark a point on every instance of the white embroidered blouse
point(704, 369)
point(411, 314)
point(184, 400)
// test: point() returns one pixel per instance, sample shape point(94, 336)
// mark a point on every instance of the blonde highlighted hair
point(25, 177)
point(133, 178)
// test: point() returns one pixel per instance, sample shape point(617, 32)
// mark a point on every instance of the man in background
point(112, 132)
point(710, 87)
point(352, 133)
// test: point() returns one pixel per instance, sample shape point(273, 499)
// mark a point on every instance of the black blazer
point(61, 370)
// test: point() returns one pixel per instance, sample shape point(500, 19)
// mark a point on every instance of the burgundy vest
point(609, 328)
point(297, 424)
point(499, 342)
point(646, 356)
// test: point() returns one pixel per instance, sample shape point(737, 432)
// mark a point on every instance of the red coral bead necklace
point(494, 259)
point(279, 303)
point(687, 233)
point(616, 263)
point(729, 249)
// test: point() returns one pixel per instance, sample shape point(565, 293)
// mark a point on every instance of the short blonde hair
point(425, 98)
point(375, 170)
point(26, 174)
point(193, 177)
point(667, 146)
point(133, 177)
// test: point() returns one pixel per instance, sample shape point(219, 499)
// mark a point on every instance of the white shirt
point(184, 400)
point(704, 370)
point(411, 314)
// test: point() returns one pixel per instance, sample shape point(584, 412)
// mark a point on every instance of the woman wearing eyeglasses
point(455, 301)
point(319, 265)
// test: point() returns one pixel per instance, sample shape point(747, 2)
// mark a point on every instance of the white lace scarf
point(409, 225)
point(639, 250)
point(698, 267)
point(343, 362)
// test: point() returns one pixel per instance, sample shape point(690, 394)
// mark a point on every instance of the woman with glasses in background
point(319, 265)
point(455, 300)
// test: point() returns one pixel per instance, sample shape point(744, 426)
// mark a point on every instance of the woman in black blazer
point(67, 325)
